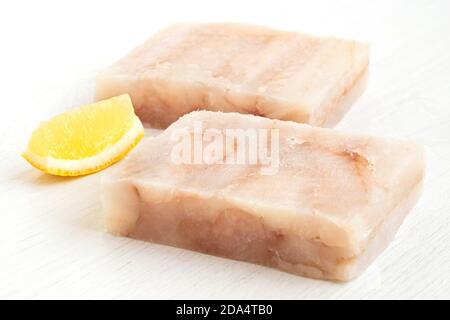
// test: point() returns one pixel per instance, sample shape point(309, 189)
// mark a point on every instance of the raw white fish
point(334, 203)
point(239, 68)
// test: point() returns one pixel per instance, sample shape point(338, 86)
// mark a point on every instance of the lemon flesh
point(85, 139)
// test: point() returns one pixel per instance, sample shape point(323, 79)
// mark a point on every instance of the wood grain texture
point(53, 243)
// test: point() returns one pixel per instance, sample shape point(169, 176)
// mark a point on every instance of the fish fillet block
point(239, 68)
point(334, 204)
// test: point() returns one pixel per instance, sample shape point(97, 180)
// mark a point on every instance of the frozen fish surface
point(334, 203)
point(239, 68)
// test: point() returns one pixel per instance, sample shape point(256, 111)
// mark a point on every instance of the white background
point(52, 243)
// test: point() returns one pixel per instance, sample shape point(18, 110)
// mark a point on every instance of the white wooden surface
point(52, 243)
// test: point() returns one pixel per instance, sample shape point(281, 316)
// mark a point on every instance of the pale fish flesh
point(334, 202)
point(239, 68)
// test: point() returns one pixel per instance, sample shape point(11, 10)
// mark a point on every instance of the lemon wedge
point(85, 139)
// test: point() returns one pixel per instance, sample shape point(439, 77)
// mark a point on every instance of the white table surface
point(53, 243)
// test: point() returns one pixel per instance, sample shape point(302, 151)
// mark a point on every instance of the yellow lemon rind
point(79, 167)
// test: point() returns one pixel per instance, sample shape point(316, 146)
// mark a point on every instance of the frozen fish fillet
point(239, 68)
point(334, 203)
